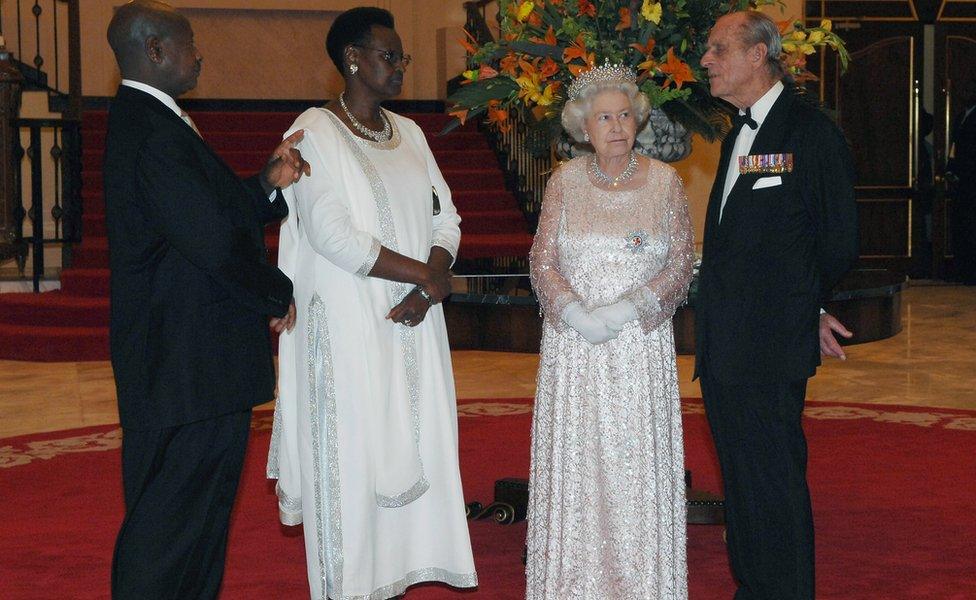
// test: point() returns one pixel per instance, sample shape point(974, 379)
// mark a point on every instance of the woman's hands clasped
point(602, 324)
point(412, 310)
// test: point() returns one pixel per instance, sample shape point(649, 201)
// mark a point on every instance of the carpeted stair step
point(474, 179)
point(492, 221)
point(490, 245)
point(85, 282)
point(53, 344)
point(477, 200)
point(53, 309)
point(93, 224)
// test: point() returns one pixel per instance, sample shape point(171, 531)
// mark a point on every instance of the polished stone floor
point(932, 363)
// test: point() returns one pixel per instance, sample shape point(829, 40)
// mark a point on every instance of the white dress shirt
point(743, 142)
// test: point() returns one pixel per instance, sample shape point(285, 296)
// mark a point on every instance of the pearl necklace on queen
point(613, 182)
point(378, 136)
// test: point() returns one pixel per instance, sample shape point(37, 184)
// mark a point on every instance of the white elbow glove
point(616, 315)
point(591, 328)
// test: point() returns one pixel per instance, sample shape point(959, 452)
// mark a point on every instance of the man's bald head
point(135, 24)
point(153, 44)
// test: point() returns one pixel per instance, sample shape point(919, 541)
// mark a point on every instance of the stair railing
point(51, 176)
point(527, 170)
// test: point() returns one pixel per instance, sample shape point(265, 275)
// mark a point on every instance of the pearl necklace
point(613, 182)
point(379, 136)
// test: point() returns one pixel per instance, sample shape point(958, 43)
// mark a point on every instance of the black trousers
point(763, 456)
point(179, 486)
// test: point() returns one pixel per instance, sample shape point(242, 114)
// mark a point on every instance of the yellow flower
point(525, 10)
point(825, 24)
point(807, 48)
point(815, 37)
point(652, 11)
point(799, 36)
point(789, 46)
point(471, 75)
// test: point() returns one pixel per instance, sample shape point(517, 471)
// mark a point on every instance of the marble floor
point(931, 363)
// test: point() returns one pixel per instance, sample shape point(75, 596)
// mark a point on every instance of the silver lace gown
point(607, 496)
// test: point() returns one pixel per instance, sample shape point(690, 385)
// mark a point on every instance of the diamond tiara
point(607, 73)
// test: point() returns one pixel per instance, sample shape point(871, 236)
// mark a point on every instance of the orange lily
point(549, 68)
point(575, 50)
point(508, 64)
point(460, 115)
point(586, 8)
point(551, 37)
point(625, 21)
point(677, 70)
point(471, 47)
point(498, 117)
point(649, 63)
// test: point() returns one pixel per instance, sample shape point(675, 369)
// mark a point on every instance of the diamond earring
point(353, 69)
point(586, 137)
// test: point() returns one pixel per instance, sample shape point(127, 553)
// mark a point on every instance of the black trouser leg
point(763, 456)
point(179, 485)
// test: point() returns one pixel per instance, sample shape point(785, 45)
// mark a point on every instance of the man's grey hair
point(758, 28)
point(575, 111)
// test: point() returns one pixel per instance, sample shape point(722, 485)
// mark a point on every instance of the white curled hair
point(575, 111)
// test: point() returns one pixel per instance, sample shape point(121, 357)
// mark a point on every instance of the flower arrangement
point(545, 43)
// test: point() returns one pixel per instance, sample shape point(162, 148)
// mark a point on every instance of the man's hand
point(286, 165)
point(829, 346)
point(411, 310)
point(284, 323)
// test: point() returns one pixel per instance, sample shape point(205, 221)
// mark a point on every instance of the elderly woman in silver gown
point(611, 262)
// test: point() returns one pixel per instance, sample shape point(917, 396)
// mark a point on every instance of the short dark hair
point(354, 27)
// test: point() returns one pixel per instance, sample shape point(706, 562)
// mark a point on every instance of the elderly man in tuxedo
point(191, 298)
point(780, 231)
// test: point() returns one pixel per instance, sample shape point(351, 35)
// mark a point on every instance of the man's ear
point(758, 54)
point(154, 49)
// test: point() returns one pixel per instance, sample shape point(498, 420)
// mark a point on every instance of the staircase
point(72, 324)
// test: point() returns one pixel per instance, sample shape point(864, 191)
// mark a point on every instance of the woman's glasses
point(394, 58)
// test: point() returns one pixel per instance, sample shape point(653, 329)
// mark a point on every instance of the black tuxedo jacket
point(778, 251)
point(191, 287)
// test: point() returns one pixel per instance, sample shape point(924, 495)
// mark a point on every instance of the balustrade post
point(11, 84)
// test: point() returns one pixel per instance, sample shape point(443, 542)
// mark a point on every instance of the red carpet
point(71, 324)
point(892, 494)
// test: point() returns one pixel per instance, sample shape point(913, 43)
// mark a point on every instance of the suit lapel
point(718, 186)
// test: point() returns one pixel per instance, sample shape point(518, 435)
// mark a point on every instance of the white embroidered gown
point(607, 493)
point(364, 444)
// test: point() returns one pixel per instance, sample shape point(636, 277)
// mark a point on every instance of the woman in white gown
point(611, 262)
point(364, 445)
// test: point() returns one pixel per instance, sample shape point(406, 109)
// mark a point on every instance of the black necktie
point(739, 120)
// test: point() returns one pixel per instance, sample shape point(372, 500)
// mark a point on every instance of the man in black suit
point(191, 297)
point(780, 231)
point(961, 173)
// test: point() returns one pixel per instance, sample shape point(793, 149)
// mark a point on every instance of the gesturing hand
point(829, 346)
point(411, 311)
point(286, 165)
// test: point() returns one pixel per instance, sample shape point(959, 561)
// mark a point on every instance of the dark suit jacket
point(191, 287)
point(777, 253)
point(963, 165)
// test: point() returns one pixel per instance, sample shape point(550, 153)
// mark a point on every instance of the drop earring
point(353, 69)
point(586, 137)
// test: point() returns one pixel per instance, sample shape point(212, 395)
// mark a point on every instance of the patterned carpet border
point(22, 450)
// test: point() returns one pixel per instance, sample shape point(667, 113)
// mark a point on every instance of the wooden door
point(955, 63)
